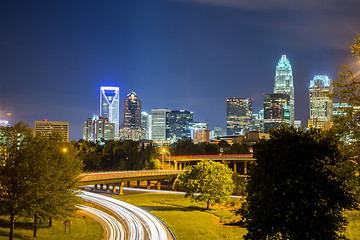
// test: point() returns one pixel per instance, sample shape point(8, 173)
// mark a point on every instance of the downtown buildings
point(106, 124)
point(131, 126)
point(279, 106)
point(238, 115)
point(321, 105)
point(46, 128)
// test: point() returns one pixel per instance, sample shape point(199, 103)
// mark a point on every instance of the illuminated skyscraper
point(276, 110)
point(158, 124)
point(97, 128)
point(178, 124)
point(284, 82)
point(238, 115)
point(109, 105)
point(131, 127)
point(145, 125)
point(320, 103)
point(132, 111)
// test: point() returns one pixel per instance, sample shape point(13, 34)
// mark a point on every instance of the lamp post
point(163, 153)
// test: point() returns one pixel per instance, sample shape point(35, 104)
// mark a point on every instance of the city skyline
point(189, 54)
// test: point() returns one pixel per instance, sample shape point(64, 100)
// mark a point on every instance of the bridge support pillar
point(180, 165)
point(137, 184)
point(148, 184)
point(235, 167)
point(121, 190)
point(101, 186)
point(158, 185)
point(107, 187)
point(175, 165)
point(114, 188)
point(245, 167)
point(95, 186)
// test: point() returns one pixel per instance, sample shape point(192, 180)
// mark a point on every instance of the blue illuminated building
point(109, 105)
point(320, 102)
point(284, 82)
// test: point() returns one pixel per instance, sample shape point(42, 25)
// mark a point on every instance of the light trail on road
point(138, 223)
point(113, 226)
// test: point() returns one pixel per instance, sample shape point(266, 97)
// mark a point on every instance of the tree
point(208, 182)
point(295, 190)
point(39, 177)
point(347, 124)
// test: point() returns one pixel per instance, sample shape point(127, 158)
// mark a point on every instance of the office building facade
point(277, 110)
point(131, 126)
point(109, 105)
point(321, 105)
point(284, 83)
point(158, 124)
point(48, 127)
point(178, 124)
point(145, 125)
point(97, 128)
point(238, 115)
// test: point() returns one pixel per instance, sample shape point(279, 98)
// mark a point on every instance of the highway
point(113, 228)
point(138, 224)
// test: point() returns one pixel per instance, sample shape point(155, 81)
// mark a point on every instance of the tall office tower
point(158, 124)
point(145, 122)
point(284, 82)
point(48, 127)
point(277, 110)
point(131, 127)
point(320, 103)
point(109, 105)
point(178, 124)
point(132, 111)
point(97, 128)
point(238, 115)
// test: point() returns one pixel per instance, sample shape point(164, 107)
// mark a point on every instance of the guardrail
point(126, 174)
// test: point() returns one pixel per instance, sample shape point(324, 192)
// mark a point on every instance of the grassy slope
point(186, 219)
point(82, 228)
point(190, 220)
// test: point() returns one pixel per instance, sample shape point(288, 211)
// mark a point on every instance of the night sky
point(189, 54)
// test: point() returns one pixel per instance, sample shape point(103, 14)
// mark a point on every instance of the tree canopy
point(295, 190)
point(38, 177)
point(208, 182)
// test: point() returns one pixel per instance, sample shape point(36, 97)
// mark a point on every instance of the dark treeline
point(187, 147)
point(116, 156)
point(130, 155)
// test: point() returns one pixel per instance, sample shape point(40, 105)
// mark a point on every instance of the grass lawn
point(82, 228)
point(189, 220)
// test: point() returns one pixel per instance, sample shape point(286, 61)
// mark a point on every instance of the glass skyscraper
point(109, 105)
point(178, 124)
point(238, 115)
point(320, 103)
point(132, 111)
point(97, 128)
point(284, 83)
point(276, 110)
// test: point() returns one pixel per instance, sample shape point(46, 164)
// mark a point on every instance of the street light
point(163, 153)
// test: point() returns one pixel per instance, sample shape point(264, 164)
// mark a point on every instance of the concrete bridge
point(114, 179)
point(238, 162)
